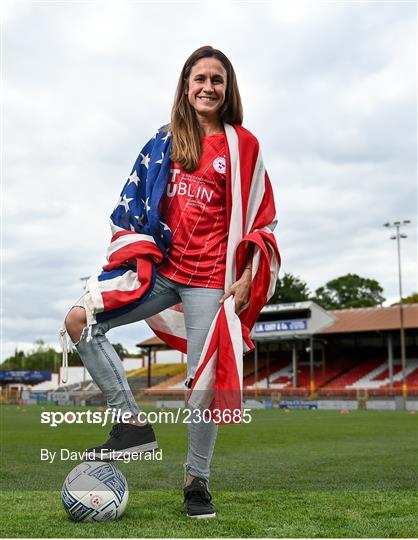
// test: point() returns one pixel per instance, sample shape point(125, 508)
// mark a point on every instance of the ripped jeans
point(200, 306)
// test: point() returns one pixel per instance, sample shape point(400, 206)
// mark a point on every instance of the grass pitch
point(296, 474)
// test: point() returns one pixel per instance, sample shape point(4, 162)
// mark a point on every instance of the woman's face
point(207, 87)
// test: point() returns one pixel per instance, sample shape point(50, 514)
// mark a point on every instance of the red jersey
point(194, 207)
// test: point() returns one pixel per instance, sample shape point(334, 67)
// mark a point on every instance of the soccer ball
point(95, 491)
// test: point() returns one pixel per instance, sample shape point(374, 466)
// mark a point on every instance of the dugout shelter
point(293, 323)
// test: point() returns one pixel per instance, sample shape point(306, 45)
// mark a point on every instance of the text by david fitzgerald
point(105, 455)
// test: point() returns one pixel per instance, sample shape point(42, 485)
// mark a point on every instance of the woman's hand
point(240, 290)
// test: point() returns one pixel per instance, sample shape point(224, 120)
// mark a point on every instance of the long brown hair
point(184, 127)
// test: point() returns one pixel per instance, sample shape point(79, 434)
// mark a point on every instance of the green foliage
point(349, 291)
point(120, 349)
point(45, 357)
point(411, 299)
point(289, 289)
point(42, 358)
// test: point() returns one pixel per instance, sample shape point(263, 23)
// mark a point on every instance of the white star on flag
point(162, 157)
point(167, 136)
point(147, 208)
point(166, 227)
point(145, 160)
point(134, 178)
point(124, 201)
point(140, 220)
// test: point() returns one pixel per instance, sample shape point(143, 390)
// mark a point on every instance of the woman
point(203, 259)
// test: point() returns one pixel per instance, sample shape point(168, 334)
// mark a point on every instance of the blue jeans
point(200, 306)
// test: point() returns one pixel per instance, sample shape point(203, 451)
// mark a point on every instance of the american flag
point(141, 236)
point(138, 236)
point(218, 382)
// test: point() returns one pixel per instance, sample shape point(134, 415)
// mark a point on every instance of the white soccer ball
point(95, 491)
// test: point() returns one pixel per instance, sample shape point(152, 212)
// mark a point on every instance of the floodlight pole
point(397, 225)
point(401, 316)
point(83, 389)
point(84, 280)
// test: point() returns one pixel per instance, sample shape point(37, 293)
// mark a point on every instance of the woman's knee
point(75, 322)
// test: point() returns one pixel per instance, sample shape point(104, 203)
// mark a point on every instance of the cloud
point(329, 90)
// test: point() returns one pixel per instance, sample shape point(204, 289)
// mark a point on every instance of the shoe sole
point(120, 455)
point(202, 516)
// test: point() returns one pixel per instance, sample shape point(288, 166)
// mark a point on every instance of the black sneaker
point(125, 439)
point(197, 500)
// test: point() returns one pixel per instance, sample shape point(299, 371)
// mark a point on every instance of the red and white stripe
point(251, 217)
point(218, 380)
point(119, 291)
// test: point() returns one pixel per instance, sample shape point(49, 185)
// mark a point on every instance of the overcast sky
point(328, 88)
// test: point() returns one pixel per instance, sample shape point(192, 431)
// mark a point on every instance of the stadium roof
point(151, 342)
point(296, 320)
point(372, 319)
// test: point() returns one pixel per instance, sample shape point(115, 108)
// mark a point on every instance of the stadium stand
point(350, 355)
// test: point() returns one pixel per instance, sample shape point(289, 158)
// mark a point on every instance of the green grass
point(301, 474)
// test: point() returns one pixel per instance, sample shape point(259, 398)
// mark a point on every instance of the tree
point(45, 357)
point(349, 291)
point(289, 289)
point(411, 299)
point(121, 351)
